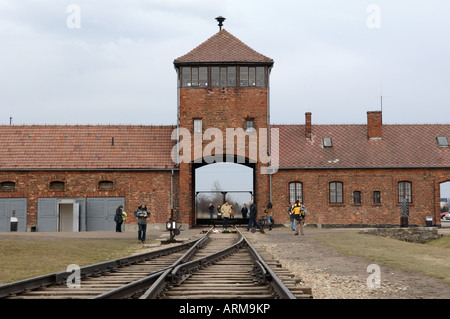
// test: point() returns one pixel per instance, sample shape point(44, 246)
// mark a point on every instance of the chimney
point(308, 125)
point(374, 125)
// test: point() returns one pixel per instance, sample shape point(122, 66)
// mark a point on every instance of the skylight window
point(327, 142)
point(442, 141)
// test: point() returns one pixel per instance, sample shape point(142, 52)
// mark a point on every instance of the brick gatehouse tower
point(222, 84)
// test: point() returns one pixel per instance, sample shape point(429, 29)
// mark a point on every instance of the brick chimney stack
point(308, 125)
point(374, 125)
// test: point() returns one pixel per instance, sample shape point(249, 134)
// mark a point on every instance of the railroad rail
point(222, 266)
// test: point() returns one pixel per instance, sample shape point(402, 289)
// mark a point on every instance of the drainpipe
point(268, 133)
point(171, 191)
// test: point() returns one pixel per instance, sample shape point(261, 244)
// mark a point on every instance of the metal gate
point(48, 210)
point(10, 207)
point(47, 216)
point(101, 211)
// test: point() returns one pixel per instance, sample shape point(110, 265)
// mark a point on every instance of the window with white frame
point(295, 192)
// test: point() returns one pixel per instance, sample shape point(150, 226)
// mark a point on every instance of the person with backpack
point(299, 213)
point(142, 214)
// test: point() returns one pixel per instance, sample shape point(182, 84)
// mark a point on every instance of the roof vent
point(220, 19)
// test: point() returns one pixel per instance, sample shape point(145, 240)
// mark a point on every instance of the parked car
point(445, 215)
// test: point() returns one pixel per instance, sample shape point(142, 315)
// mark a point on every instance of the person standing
point(211, 211)
point(124, 216)
point(291, 216)
point(118, 219)
point(244, 211)
point(269, 213)
point(226, 213)
point(142, 214)
point(253, 215)
point(299, 216)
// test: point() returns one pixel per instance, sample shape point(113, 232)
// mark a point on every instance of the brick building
point(72, 178)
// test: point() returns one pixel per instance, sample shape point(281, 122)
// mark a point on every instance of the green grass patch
point(443, 242)
point(432, 259)
point(25, 258)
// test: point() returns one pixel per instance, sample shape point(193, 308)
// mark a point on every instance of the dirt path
point(333, 275)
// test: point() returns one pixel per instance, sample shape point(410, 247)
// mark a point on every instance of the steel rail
point(176, 274)
point(88, 271)
point(268, 274)
point(128, 290)
point(180, 272)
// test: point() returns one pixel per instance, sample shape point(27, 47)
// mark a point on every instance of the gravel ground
point(332, 275)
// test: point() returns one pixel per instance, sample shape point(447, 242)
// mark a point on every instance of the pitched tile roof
point(85, 147)
point(223, 47)
point(149, 147)
point(400, 146)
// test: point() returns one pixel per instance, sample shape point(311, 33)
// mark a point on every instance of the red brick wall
point(220, 108)
point(425, 193)
point(152, 188)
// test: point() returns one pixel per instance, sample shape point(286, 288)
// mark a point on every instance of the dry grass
point(25, 258)
point(432, 259)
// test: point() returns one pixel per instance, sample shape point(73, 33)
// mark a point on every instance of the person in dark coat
point(142, 214)
point(244, 211)
point(118, 219)
point(253, 216)
point(211, 210)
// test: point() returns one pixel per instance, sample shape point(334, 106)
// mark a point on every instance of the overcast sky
point(332, 57)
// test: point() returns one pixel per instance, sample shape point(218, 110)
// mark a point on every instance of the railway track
point(215, 266)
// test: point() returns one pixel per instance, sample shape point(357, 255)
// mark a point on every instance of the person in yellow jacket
point(299, 217)
point(226, 213)
point(124, 216)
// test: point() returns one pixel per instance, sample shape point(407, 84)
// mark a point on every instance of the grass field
point(24, 258)
point(432, 258)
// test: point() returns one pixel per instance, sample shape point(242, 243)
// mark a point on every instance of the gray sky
point(117, 68)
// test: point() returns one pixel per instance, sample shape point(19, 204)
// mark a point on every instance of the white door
point(76, 217)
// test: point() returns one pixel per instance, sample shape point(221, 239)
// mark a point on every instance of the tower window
point(250, 125)
point(223, 76)
point(252, 76)
point(260, 76)
point(243, 76)
point(186, 76)
point(194, 73)
point(231, 76)
point(215, 71)
point(203, 76)
point(197, 125)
